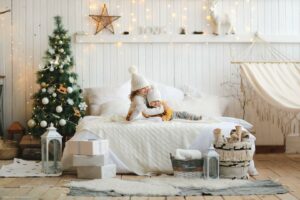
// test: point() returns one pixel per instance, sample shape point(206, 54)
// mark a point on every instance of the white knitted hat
point(153, 95)
point(137, 81)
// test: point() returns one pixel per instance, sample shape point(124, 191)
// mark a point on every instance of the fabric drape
point(276, 92)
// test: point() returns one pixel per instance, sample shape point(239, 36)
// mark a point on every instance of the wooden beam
point(263, 149)
point(261, 61)
point(177, 38)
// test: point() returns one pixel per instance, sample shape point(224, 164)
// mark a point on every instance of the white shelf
point(83, 38)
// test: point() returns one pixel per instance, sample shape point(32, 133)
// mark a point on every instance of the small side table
point(1, 105)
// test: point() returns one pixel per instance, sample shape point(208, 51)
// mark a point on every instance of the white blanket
point(144, 146)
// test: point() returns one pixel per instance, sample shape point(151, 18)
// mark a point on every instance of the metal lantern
point(211, 164)
point(51, 151)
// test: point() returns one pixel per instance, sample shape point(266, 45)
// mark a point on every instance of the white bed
point(143, 146)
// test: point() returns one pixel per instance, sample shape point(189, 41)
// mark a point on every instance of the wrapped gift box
point(96, 172)
point(85, 160)
point(88, 147)
point(293, 144)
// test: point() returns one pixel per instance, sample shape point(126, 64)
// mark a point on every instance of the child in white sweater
point(155, 101)
point(139, 90)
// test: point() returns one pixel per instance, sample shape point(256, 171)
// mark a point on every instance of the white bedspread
point(144, 146)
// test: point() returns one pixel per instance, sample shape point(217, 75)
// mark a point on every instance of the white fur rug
point(24, 168)
point(156, 186)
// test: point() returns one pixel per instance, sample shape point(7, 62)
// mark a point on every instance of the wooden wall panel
point(204, 66)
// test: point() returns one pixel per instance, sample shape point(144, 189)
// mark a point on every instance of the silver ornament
point(70, 101)
point(71, 79)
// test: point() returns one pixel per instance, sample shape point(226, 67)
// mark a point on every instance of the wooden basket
point(187, 168)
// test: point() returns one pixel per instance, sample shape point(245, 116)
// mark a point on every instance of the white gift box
point(293, 144)
point(88, 147)
point(96, 172)
point(85, 160)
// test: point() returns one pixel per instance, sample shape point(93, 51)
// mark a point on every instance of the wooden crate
point(29, 141)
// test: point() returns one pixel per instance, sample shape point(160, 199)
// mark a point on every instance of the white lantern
point(51, 151)
point(211, 164)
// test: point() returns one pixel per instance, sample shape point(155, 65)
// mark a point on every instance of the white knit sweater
point(138, 106)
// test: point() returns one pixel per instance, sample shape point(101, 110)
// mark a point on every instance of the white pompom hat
point(137, 81)
point(153, 95)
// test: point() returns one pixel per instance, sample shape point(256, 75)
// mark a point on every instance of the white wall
point(201, 65)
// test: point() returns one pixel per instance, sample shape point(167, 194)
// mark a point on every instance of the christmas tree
point(59, 100)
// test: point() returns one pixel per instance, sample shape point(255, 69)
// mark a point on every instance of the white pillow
point(208, 105)
point(168, 93)
point(116, 107)
point(100, 95)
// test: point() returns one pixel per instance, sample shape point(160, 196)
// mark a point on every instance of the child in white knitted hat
point(139, 90)
point(155, 101)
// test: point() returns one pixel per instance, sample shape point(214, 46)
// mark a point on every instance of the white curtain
point(276, 93)
point(278, 84)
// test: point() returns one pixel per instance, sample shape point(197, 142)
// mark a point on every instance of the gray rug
point(165, 187)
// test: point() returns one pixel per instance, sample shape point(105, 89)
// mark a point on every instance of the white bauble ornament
point(54, 94)
point(43, 124)
point(45, 100)
point(60, 42)
point(59, 109)
point(51, 69)
point(62, 122)
point(70, 89)
point(44, 90)
point(31, 123)
point(61, 50)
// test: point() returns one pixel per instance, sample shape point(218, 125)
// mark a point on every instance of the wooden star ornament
point(104, 21)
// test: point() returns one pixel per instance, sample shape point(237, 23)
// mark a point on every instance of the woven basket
point(8, 150)
point(234, 159)
point(187, 168)
point(8, 153)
